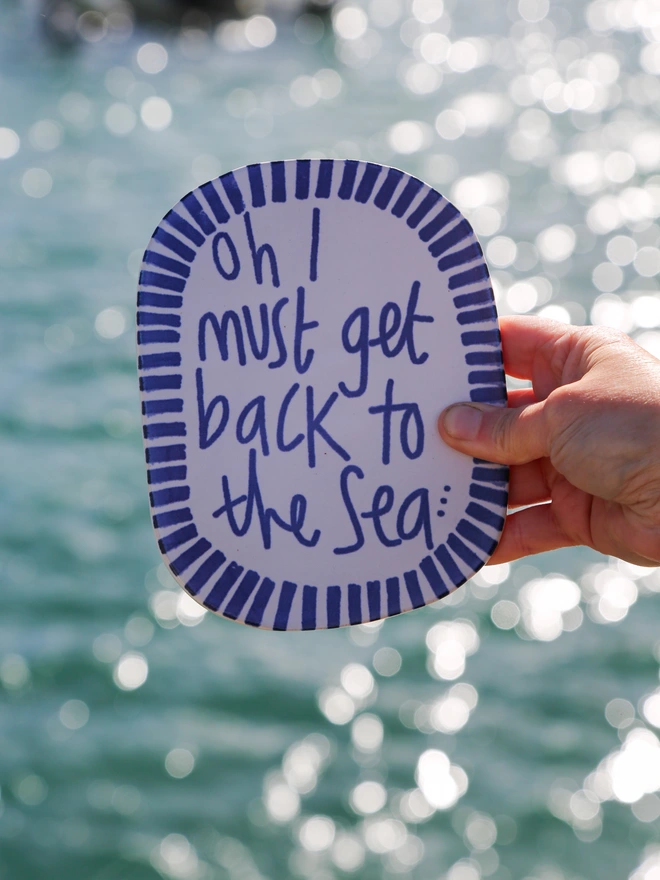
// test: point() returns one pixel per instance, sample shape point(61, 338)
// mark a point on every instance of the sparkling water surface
point(510, 731)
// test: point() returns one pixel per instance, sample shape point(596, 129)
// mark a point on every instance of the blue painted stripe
point(173, 453)
point(486, 493)
point(255, 615)
point(233, 191)
point(393, 596)
point(475, 536)
point(166, 475)
point(486, 377)
point(410, 190)
point(433, 576)
point(348, 179)
point(176, 539)
point(172, 518)
point(223, 585)
point(477, 316)
point(429, 201)
point(446, 560)
point(385, 193)
point(189, 556)
point(278, 176)
point(463, 551)
point(162, 454)
point(458, 258)
point(166, 319)
point(155, 430)
point(157, 337)
point(160, 359)
point(474, 358)
point(157, 407)
point(159, 300)
point(333, 606)
point(488, 394)
point(485, 515)
point(324, 182)
point(373, 599)
point(256, 186)
point(206, 570)
point(215, 203)
point(414, 589)
point(355, 603)
point(172, 243)
point(287, 593)
point(490, 475)
point(470, 276)
point(309, 607)
point(160, 383)
point(459, 233)
point(368, 182)
point(163, 497)
point(442, 218)
point(198, 213)
point(163, 262)
point(186, 229)
point(303, 167)
point(241, 594)
point(164, 282)
point(485, 295)
point(481, 337)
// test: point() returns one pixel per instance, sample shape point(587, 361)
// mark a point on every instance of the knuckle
point(502, 435)
point(606, 342)
point(572, 355)
point(609, 336)
point(558, 353)
point(562, 424)
point(563, 407)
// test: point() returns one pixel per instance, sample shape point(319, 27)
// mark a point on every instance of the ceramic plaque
point(301, 325)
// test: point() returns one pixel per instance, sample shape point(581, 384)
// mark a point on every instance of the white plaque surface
point(301, 325)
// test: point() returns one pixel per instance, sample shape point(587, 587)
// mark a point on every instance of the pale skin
point(583, 441)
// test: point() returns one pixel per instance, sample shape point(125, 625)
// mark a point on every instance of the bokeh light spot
point(131, 671)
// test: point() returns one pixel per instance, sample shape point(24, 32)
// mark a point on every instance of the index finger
point(528, 343)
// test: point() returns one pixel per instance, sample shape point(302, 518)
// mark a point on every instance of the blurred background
point(509, 732)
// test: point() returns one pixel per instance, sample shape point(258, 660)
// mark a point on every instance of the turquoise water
point(139, 740)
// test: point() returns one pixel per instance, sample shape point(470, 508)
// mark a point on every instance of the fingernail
point(462, 421)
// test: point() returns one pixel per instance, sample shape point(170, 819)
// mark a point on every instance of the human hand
point(585, 438)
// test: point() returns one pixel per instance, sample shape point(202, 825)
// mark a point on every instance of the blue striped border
point(220, 583)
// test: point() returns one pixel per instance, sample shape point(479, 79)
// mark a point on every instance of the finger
point(530, 531)
point(520, 397)
point(529, 484)
point(507, 436)
point(525, 338)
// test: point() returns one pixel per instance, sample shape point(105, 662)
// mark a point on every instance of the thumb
point(503, 435)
